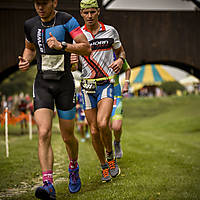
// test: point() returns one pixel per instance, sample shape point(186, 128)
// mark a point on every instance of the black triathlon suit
point(54, 81)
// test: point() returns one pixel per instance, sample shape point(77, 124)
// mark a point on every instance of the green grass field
point(161, 144)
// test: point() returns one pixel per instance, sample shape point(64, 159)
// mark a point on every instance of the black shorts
point(61, 92)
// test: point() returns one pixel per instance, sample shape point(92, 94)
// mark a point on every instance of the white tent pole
point(30, 126)
point(6, 131)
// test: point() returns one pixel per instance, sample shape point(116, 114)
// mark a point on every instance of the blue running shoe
point(74, 180)
point(46, 192)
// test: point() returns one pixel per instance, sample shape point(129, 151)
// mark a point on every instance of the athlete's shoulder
point(64, 16)
point(83, 29)
point(32, 21)
point(109, 27)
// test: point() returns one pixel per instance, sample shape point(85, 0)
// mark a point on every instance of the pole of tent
point(6, 132)
point(30, 126)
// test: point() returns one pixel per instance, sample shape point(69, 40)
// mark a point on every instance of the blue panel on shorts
point(102, 91)
point(67, 114)
point(117, 90)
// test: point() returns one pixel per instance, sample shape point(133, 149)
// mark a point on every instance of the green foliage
point(171, 87)
point(19, 82)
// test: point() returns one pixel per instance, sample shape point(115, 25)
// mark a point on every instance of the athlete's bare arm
point(127, 79)
point(120, 53)
point(81, 47)
point(28, 55)
point(117, 64)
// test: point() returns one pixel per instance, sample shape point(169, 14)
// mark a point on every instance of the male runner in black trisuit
point(49, 37)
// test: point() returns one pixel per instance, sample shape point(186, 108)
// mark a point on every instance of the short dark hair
point(43, 0)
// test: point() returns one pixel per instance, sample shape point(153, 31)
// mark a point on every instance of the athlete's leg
point(82, 131)
point(104, 111)
point(91, 116)
point(43, 118)
point(117, 126)
point(71, 142)
point(117, 129)
point(66, 122)
point(87, 133)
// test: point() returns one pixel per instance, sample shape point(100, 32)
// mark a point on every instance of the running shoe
point(46, 192)
point(74, 180)
point(118, 150)
point(106, 173)
point(114, 168)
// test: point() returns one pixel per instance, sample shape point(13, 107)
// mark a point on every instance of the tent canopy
point(148, 75)
point(190, 80)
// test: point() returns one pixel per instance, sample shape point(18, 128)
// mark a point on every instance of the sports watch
point(64, 45)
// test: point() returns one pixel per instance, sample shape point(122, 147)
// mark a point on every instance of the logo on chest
point(105, 43)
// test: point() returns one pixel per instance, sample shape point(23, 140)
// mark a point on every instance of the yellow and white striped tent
point(148, 75)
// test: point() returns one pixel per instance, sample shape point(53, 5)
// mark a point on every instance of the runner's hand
point(116, 65)
point(23, 64)
point(74, 61)
point(125, 88)
point(53, 43)
point(73, 58)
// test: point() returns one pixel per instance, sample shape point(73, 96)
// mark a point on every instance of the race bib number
point(89, 86)
point(52, 62)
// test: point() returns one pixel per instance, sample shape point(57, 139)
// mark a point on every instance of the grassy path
point(161, 144)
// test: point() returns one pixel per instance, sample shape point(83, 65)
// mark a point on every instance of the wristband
point(127, 81)
point(122, 59)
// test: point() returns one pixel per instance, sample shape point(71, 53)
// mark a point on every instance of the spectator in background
point(22, 108)
point(3, 103)
point(10, 103)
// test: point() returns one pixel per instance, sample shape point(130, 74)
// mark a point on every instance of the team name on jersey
point(103, 43)
point(40, 40)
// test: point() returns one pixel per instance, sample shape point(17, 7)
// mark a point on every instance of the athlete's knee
point(116, 128)
point(44, 134)
point(103, 124)
point(69, 138)
point(96, 137)
point(94, 130)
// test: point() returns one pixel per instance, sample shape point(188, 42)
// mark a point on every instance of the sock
point(109, 155)
point(48, 176)
point(73, 164)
